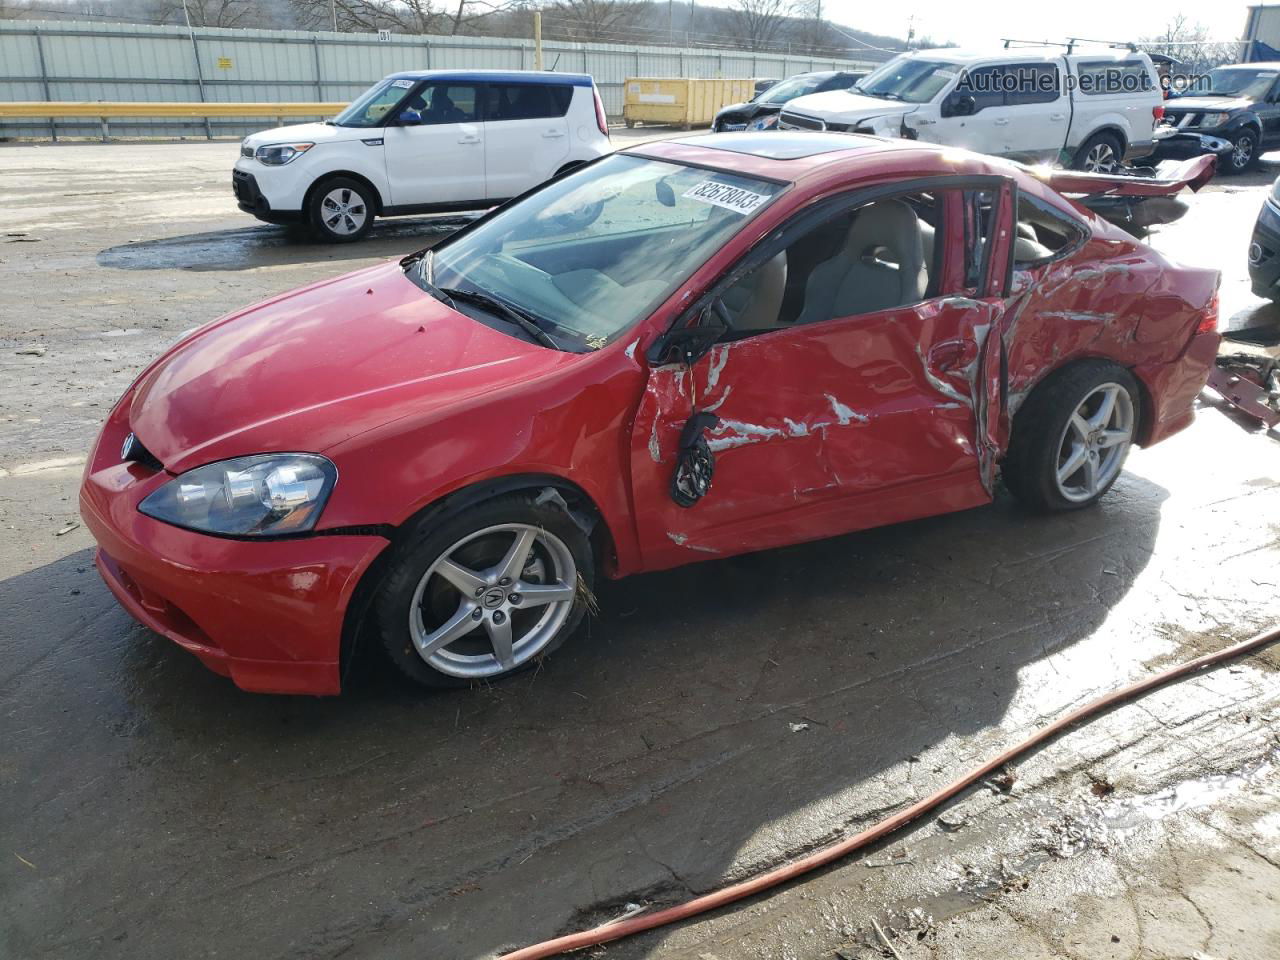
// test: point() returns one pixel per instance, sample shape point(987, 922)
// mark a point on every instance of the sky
point(974, 24)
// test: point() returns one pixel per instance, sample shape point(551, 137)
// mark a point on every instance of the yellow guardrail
point(105, 108)
point(103, 111)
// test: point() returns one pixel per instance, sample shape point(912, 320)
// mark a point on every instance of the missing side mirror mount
point(695, 463)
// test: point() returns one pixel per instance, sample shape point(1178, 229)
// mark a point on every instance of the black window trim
point(804, 220)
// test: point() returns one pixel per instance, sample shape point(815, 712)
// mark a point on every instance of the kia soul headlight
point(267, 495)
point(277, 154)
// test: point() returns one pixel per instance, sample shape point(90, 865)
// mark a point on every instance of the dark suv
point(761, 112)
point(1233, 111)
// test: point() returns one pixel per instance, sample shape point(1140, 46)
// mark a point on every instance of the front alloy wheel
point(484, 592)
point(493, 601)
point(1243, 149)
point(341, 210)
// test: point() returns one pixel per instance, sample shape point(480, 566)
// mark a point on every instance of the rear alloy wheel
point(485, 594)
point(341, 210)
point(1071, 437)
point(1100, 154)
point(1244, 150)
point(1094, 443)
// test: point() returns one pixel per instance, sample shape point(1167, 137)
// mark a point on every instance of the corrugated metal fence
point(93, 61)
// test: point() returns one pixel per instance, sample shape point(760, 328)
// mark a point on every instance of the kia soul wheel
point(486, 593)
point(1071, 438)
point(341, 210)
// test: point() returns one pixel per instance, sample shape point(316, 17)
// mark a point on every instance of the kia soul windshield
point(588, 256)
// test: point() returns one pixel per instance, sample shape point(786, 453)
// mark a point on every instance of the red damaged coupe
point(689, 349)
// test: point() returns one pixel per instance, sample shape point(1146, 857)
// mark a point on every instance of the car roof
point(796, 157)
point(1260, 65)
point(496, 76)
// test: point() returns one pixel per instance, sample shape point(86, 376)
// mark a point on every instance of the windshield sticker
point(403, 84)
point(724, 195)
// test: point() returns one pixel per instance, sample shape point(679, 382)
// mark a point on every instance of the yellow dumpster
point(681, 101)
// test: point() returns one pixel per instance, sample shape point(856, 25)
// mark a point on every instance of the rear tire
point(1101, 153)
point(340, 210)
point(1071, 437)
point(453, 571)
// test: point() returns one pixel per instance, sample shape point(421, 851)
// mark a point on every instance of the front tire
point(1071, 437)
point(485, 593)
point(340, 210)
point(1244, 152)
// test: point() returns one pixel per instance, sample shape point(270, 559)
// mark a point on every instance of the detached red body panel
point(875, 418)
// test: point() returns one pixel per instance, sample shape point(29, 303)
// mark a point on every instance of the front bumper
point(1182, 145)
point(1264, 253)
point(268, 614)
point(251, 199)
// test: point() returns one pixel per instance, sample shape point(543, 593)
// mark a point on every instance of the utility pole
point(537, 39)
point(333, 9)
point(671, 22)
point(911, 30)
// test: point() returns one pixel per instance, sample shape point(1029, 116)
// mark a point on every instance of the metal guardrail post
point(195, 50)
point(44, 83)
point(315, 49)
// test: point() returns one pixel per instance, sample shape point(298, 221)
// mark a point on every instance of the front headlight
point(1213, 119)
point(766, 123)
point(266, 495)
point(277, 154)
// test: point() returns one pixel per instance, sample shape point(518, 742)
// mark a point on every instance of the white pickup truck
point(1089, 110)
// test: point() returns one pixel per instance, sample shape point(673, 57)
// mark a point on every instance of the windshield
point(908, 79)
point(1253, 84)
point(372, 106)
point(790, 89)
point(589, 255)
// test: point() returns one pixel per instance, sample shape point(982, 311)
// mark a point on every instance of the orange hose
point(821, 857)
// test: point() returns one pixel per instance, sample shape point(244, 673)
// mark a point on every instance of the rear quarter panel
point(1114, 297)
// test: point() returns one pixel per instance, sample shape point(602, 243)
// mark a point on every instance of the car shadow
point(711, 721)
point(248, 248)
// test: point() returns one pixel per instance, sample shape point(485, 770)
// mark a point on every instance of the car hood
point(310, 133)
point(846, 106)
point(320, 365)
point(1213, 104)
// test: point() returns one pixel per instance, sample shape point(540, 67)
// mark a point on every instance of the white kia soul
point(428, 141)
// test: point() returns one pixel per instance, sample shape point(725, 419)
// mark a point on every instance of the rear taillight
point(601, 120)
point(1157, 113)
point(1209, 316)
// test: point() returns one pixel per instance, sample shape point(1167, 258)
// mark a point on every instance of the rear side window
point(515, 101)
point(1032, 83)
point(1110, 78)
point(1043, 233)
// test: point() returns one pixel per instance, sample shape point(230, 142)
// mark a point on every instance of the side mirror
point(665, 195)
point(408, 118)
point(959, 105)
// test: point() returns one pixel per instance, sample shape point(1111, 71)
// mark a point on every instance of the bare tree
point(1189, 45)
point(592, 20)
point(208, 13)
point(757, 23)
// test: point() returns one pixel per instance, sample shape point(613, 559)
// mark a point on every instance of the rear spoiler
point(1169, 177)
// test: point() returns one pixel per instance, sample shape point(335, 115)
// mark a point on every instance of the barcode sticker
point(725, 195)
